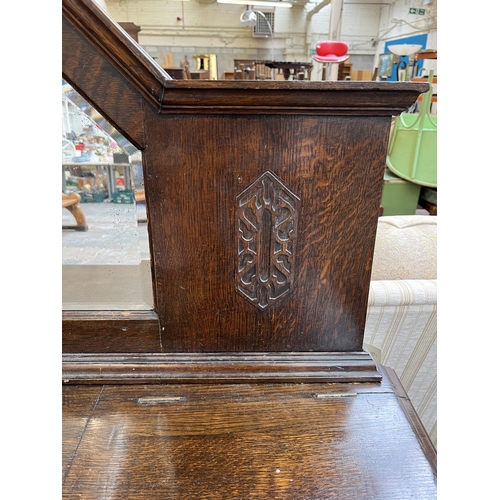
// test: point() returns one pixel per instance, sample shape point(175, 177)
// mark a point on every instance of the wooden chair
point(72, 203)
point(249, 378)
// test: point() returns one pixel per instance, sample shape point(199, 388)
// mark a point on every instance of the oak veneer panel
point(334, 165)
point(101, 84)
point(77, 406)
point(239, 442)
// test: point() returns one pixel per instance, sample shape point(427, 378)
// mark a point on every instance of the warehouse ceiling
point(305, 2)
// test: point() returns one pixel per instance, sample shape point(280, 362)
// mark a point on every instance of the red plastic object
point(331, 51)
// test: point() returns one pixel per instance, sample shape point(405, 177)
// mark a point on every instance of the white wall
point(213, 28)
point(413, 24)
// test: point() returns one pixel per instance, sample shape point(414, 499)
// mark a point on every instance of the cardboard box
point(168, 60)
point(361, 74)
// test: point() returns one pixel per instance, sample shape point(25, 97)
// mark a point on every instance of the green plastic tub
point(399, 196)
point(412, 152)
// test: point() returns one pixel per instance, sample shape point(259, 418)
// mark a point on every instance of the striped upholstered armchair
point(402, 308)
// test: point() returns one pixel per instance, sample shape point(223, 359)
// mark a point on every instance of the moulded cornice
point(121, 50)
point(229, 96)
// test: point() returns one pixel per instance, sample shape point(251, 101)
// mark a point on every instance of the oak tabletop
point(239, 441)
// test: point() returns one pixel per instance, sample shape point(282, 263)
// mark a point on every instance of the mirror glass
point(105, 246)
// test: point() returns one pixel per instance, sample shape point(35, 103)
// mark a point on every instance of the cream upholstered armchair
point(402, 308)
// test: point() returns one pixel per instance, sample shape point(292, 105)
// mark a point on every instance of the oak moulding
point(219, 368)
point(228, 96)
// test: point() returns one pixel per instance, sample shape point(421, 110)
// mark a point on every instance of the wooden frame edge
point(110, 332)
point(219, 368)
point(413, 419)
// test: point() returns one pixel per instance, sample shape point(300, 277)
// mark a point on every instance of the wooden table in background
point(291, 68)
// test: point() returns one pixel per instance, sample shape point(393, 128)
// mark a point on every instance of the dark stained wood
point(77, 406)
point(100, 83)
point(110, 332)
point(262, 201)
point(106, 41)
point(228, 97)
point(132, 30)
point(289, 98)
point(291, 68)
point(334, 165)
point(222, 368)
point(175, 73)
point(427, 205)
point(285, 270)
point(286, 441)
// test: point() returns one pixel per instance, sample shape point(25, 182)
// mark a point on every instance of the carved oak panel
point(267, 217)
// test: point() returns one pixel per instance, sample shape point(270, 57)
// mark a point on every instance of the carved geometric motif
point(267, 217)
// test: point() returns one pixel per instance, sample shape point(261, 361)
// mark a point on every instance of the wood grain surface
point(334, 165)
point(286, 441)
point(101, 84)
point(77, 406)
point(110, 331)
point(205, 144)
point(224, 368)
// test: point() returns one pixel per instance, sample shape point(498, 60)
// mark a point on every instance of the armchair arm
point(402, 293)
point(402, 322)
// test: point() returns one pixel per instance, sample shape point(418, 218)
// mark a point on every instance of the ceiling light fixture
point(404, 49)
point(262, 3)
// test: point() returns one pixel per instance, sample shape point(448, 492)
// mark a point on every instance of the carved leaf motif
point(267, 216)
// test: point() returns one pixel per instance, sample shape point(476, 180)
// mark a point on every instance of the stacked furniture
point(412, 157)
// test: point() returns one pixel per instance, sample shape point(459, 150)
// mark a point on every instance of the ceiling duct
point(264, 26)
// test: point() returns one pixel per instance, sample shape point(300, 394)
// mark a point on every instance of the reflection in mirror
point(105, 246)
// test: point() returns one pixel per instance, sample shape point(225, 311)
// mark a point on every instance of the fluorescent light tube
point(262, 3)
